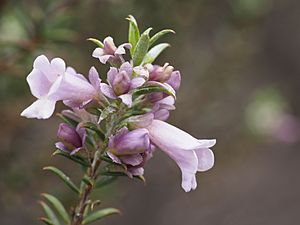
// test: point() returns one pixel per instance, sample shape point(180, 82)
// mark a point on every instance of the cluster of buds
point(119, 121)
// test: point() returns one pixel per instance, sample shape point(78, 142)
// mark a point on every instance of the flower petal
point(133, 160)
point(121, 49)
point(162, 114)
point(97, 52)
point(136, 171)
point(137, 82)
point(126, 99)
point(167, 136)
point(38, 83)
point(133, 142)
point(107, 91)
point(40, 109)
point(127, 67)
point(174, 80)
point(42, 63)
point(206, 159)
point(58, 65)
point(207, 143)
point(94, 78)
point(70, 87)
point(111, 75)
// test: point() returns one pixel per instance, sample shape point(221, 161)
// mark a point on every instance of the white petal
point(97, 52)
point(58, 65)
point(206, 159)
point(40, 109)
point(126, 99)
point(166, 135)
point(42, 63)
point(207, 143)
point(38, 83)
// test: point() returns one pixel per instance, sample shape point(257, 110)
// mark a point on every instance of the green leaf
point(46, 221)
point(67, 120)
point(151, 89)
point(133, 33)
point(100, 214)
point(93, 127)
point(159, 34)
point(141, 48)
point(96, 41)
point(105, 181)
point(154, 53)
point(64, 177)
point(76, 158)
point(58, 206)
point(49, 213)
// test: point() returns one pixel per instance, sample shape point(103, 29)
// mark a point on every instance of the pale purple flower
point(71, 140)
point(110, 52)
point(162, 107)
point(130, 148)
point(76, 91)
point(190, 154)
point(50, 82)
point(164, 74)
point(120, 83)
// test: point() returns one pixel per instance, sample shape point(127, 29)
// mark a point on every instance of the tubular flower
point(131, 148)
point(71, 140)
point(110, 52)
point(120, 83)
point(50, 82)
point(189, 153)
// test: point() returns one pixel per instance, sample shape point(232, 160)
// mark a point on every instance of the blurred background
point(239, 61)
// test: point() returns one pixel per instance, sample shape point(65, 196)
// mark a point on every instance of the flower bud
point(70, 138)
point(121, 83)
point(129, 142)
point(160, 73)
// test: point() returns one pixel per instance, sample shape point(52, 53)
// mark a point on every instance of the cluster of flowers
point(124, 117)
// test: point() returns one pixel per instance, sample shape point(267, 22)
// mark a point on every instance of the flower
point(110, 52)
point(190, 154)
point(121, 83)
point(50, 82)
point(131, 148)
point(71, 140)
point(164, 74)
point(78, 93)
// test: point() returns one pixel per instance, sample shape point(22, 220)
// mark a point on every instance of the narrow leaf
point(64, 177)
point(151, 89)
point(133, 33)
point(100, 214)
point(46, 221)
point(159, 34)
point(96, 41)
point(141, 48)
point(154, 53)
point(49, 213)
point(58, 206)
point(75, 158)
point(67, 120)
